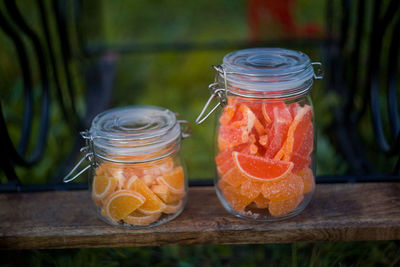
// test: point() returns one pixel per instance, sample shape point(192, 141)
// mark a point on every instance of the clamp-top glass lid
point(134, 130)
point(267, 69)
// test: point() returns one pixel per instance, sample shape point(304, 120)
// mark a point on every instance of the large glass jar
point(137, 178)
point(265, 133)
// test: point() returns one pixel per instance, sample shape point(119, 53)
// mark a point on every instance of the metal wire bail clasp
point(318, 70)
point(88, 155)
point(216, 92)
point(186, 129)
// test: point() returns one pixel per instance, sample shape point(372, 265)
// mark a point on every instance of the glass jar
point(265, 133)
point(137, 178)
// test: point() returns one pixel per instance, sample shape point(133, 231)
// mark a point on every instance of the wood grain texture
point(337, 212)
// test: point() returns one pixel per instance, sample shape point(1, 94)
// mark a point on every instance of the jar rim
point(143, 132)
point(264, 72)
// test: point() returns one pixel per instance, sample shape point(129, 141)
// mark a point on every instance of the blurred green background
point(177, 80)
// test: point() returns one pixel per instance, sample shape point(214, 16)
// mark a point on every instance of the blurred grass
point(363, 254)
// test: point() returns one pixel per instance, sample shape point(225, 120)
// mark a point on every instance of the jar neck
point(278, 92)
point(134, 154)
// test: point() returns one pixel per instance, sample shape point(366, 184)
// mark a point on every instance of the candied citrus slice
point(173, 207)
point(149, 180)
point(166, 165)
point(227, 114)
point(308, 178)
point(121, 203)
point(259, 168)
point(261, 202)
point(224, 160)
point(102, 170)
point(298, 131)
point(249, 120)
point(294, 109)
point(139, 219)
point(174, 180)
point(165, 194)
point(131, 171)
point(251, 188)
point(152, 204)
point(237, 201)
point(280, 125)
point(103, 186)
point(280, 208)
point(286, 188)
point(299, 161)
point(230, 136)
point(268, 110)
point(234, 177)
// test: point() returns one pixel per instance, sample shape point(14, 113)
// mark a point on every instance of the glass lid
point(267, 70)
point(134, 130)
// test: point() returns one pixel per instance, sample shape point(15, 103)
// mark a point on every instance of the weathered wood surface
point(338, 212)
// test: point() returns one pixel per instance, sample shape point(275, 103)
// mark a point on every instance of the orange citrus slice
point(286, 188)
point(308, 179)
point(251, 188)
point(174, 180)
point(234, 177)
point(298, 131)
point(227, 115)
point(152, 204)
point(280, 125)
point(299, 161)
point(139, 219)
point(164, 193)
point(224, 160)
point(230, 136)
point(266, 112)
point(173, 207)
point(231, 194)
point(103, 186)
point(121, 203)
point(280, 208)
point(259, 168)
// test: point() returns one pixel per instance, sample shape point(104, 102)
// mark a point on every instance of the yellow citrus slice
point(166, 165)
point(152, 204)
point(163, 192)
point(173, 207)
point(121, 203)
point(139, 219)
point(173, 180)
point(103, 186)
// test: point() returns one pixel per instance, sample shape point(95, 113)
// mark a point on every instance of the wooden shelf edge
point(337, 212)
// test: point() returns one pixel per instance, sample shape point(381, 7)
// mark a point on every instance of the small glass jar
point(265, 133)
point(137, 178)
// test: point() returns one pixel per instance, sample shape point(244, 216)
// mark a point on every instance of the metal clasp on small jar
point(88, 156)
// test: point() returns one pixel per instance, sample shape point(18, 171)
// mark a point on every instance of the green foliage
point(296, 254)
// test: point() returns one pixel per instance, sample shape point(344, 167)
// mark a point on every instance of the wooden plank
point(338, 212)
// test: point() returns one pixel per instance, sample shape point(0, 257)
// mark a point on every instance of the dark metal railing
point(348, 75)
